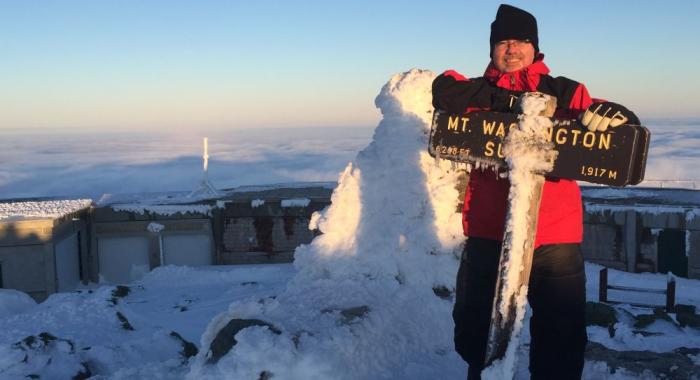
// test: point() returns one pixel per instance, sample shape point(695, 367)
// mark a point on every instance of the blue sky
point(176, 65)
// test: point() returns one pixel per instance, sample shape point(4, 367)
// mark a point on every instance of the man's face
point(512, 55)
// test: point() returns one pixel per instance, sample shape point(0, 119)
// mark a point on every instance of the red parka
point(561, 217)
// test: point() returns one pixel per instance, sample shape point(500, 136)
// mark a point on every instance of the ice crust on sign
point(363, 304)
point(527, 152)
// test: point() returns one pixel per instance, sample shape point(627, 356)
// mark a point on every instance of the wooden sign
point(616, 157)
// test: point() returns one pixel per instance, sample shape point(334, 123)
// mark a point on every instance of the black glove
point(503, 100)
point(599, 116)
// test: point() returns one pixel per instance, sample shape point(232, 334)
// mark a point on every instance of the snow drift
point(14, 302)
point(373, 295)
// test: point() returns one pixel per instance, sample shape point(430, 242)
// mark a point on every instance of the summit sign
point(616, 157)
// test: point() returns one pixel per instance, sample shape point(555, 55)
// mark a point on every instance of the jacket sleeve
point(454, 93)
point(580, 100)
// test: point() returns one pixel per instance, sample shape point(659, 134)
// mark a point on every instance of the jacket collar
point(525, 79)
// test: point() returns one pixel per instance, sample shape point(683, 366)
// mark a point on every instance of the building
point(643, 229)
point(132, 234)
point(43, 245)
point(265, 224)
point(52, 245)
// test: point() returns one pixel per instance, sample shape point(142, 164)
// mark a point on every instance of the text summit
point(559, 135)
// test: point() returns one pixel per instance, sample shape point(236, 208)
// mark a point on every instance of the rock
point(188, 348)
point(226, 337)
point(443, 292)
point(644, 320)
point(84, 373)
point(684, 309)
point(125, 322)
point(692, 320)
point(598, 314)
point(120, 291)
point(353, 313)
point(674, 365)
point(44, 339)
point(685, 315)
point(646, 333)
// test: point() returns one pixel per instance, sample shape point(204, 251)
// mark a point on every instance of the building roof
point(40, 209)
point(641, 196)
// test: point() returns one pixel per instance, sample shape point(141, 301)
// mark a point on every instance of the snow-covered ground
point(90, 325)
point(184, 300)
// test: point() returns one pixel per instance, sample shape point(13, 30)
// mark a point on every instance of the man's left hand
point(599, 116)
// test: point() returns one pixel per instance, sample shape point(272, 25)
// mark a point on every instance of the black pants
point(557, 296)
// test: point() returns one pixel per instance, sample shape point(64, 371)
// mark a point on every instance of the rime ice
point(41, 209)
point(528, 154)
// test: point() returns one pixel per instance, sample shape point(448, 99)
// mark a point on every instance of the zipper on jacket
point(512, 81)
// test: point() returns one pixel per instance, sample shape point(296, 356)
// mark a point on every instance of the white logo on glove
point(598, 119)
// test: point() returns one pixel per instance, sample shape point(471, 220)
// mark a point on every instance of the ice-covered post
point(529, 155)
point(158, 228)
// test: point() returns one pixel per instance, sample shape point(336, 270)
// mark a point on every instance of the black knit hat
point(513, 23)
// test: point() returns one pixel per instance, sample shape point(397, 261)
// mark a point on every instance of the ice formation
point(373, 295)
point(528, 154)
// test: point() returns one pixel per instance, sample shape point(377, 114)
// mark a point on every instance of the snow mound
point(14, 302)
point(372, 298)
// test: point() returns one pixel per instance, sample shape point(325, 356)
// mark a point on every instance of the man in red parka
point(557, 292)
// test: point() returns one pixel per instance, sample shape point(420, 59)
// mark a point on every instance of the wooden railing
point(670, 292)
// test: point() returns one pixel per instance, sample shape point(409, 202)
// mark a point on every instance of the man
point(557, 283)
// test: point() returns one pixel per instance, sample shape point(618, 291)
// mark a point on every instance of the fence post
point(670, 294)
point(603, 285)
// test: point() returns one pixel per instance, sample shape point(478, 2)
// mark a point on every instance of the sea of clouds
point(89, 164)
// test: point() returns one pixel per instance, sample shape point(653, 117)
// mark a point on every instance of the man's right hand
point(599, 116)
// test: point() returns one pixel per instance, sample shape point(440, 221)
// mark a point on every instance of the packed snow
point(49, 209)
